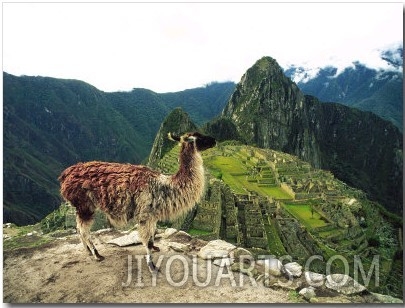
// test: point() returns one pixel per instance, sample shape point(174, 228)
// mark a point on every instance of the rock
point(105, 230)
point(294, 269)
point(168, 232)
point(387, 299)
point(344, 284)
point(223, 262)
point(307, 293)
point(216, 249)
point(241, 253)
point(314, 279)
point(179, 247)
point(283, 283)
point(272, 266)
point(244, 269)
point(126, 240)
point(268, 282)
point(181, 237)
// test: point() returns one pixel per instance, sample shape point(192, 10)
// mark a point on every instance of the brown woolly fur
point(125, 191)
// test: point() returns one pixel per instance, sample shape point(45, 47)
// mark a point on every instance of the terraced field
point(242, 174)
point(307, 215)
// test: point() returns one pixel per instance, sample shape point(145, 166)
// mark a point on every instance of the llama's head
point(201, 141)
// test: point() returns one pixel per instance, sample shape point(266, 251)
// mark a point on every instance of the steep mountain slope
point(176, 122)
point(360, 148)
point(52, 123)
point(368, 89)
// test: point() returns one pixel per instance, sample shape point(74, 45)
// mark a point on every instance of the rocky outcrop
point(190, 270)
point(343, 284)
point(360, 148)
point(267, 271)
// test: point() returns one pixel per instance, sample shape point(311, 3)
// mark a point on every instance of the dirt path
point(61, 272)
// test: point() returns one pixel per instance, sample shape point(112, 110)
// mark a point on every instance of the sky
point(168, 47)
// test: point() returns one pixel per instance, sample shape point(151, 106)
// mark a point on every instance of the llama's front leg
point(149, 261)
point(84, 231)
point(151, 244)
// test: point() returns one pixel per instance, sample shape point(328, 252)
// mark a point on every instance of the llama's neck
point(189, 179)
point(186, 186)
point(190, 175)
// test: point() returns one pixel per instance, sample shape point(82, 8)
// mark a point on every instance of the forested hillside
point(52, 123)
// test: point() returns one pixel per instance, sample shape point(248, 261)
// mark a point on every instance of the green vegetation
point(275, 192)
point(234, 171)
point(295, 297)
point(226, 167)
point(275, 244)
point(25, 236)
point(304, 214)
point(25, 241)
point(55, 220)
point(196, 232)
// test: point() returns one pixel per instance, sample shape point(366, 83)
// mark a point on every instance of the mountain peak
point(265, 62)
point(178, 122)
point(261, 69)
point(262, 82)
point(394, 57)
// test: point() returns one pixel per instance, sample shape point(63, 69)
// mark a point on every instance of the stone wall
point(208, 216)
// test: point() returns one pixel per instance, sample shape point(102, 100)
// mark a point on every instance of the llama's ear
point(173, 137)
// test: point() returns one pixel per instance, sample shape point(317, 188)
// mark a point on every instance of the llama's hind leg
point(84, 231)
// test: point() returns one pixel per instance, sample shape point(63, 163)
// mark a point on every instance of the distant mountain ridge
point(370, 89)
point(52, 123)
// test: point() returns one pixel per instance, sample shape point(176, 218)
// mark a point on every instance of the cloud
point(173, 46)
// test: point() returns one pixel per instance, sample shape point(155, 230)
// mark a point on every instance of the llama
point(125, 191)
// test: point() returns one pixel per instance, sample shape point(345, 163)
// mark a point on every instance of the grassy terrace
point(234, 172)
point(274, 242)
point(303, 213)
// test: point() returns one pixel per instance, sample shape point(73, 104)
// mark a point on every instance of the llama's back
point(108, 186)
